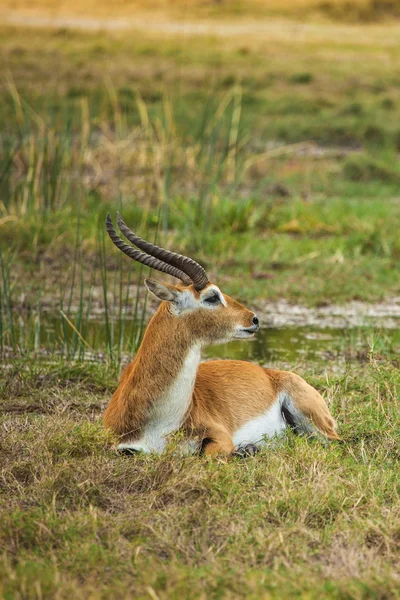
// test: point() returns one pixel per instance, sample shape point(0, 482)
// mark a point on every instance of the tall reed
point(61, 174)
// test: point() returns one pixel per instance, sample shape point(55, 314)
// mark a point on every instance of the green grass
point(179, 136)
point(275, 164)
point(220, 152)
point(301, 519)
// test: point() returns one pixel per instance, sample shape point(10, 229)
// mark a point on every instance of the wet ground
point(353, 314)
point(290, 333)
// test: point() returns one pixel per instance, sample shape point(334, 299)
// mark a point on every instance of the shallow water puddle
point(293, 344)
point(288, 344)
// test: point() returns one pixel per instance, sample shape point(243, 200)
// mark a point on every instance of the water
point(295, 344)
point(281, 344)
point(271, 344)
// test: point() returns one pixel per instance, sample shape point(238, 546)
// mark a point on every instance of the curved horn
point(189, 266)
point(141, 257)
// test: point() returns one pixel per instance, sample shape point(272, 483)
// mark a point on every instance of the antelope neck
point(163, 354)
point(167, 364)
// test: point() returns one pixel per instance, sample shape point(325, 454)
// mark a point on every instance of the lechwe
point(222, 406)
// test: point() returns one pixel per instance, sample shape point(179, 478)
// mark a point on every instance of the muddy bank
point(384, 314)
point(352, 314)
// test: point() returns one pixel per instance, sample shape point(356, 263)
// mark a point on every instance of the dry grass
point(364, 11)
point(182, 7)
point(300, 519)
point(356, 10)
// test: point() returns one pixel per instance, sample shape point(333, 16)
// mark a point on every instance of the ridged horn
point(142, 257)
point(189, 266)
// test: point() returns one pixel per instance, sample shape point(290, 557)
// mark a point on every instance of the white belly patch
point(267, 424)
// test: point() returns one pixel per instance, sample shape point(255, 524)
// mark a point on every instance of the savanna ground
point(272, 158)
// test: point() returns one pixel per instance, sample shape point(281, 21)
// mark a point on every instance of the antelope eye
point(212, 299)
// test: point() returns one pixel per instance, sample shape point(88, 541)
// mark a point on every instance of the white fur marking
point(169, 409)
point(186, 302)
point(214, 288)
point(137, 447)
point(242, 334)
point(267, 424)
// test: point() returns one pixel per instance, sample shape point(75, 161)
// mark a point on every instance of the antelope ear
point(162, 291)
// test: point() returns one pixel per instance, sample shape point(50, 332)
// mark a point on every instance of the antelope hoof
point(127, 451)
point(246, 451)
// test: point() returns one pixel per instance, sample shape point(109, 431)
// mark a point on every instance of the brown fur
point(226, 394)
point(156, 364)
point(308, 401)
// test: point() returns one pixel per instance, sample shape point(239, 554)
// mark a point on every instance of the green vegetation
point(299, 520)
point(279, 172)
point(272, 161)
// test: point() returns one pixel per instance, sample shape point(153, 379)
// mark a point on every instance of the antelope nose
point(255, 320)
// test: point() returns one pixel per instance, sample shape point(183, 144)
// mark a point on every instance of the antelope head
point(211, 316)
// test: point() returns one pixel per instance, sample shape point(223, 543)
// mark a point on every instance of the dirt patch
point(384, 314)
point(352, 314)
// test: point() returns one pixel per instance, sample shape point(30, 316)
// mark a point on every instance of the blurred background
point(260, 136)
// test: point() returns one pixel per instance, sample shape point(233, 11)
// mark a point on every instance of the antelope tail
point(304, 408)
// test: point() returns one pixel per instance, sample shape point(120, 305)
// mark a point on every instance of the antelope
point(221, 406)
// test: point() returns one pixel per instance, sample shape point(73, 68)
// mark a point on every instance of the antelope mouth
point(246, 332)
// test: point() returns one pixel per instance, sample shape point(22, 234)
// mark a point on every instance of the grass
point(228, 154)
point(364, 11)
point(300, 520)
point(274, 162)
